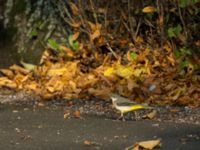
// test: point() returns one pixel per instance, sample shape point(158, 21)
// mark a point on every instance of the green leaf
point(134, 55)
point(184, 64)
point(167, 17)
point(184, 3)
point(72, 43)
point(33, 33)
point(174, 31)
point(53, 44)
point(177, 53)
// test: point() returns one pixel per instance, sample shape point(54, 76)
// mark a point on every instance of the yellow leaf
point(149, 9)
point(139, 39)
point(7, 73)
point(137, 72)
point(124, 71)
point(108, 72)
point(150, 144)
point(19, 69)
point(95, 35)
point(7, 83)
point(56, 71)
point(32, 86)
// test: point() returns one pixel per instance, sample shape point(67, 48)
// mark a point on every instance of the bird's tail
point(139, 106)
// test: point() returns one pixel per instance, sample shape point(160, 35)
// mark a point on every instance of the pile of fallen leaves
point(144, 75)
point(102, 57)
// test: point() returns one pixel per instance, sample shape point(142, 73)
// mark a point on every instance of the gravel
point(102, 108)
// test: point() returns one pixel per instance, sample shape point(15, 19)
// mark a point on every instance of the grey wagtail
point(124, 105)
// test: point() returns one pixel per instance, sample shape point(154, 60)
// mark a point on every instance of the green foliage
point(53, 44)
point(184, 64)
point(134, 55)
point(182, 52)
point(185, 3)
point(73, 43)
point(33, 33)
point(174, 31)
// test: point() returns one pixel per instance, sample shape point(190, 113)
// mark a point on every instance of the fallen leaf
point(174, 110)
point(66, 114)
point(150, 115)
point(19, 69)
point(4, 81)
point(77, 114)
point(75, 36)
point(67, 50)
point(95, 34)
point(28, 66)
point(7, 72)
point(109, 71)
point(88, 143)
point(151, 144)
point(149, 9)
point(124, 71)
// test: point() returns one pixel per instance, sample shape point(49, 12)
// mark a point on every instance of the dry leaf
point(4, 81)
point(174, 110)
point(75, 36)
point(88, 143)
point(19, 69)
point(151, 144)
point(150, 115)
point(74, 8)
point(95, 35)
point(66, 115)
point(77, 114)
point(124, 71)
point(75, 24)
point(7, 72)
point(67, 50)
point(149, 9)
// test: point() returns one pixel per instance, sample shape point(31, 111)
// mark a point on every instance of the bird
point(124, 105)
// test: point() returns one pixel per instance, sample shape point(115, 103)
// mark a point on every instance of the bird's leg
point(122, 116)
point(136, 116)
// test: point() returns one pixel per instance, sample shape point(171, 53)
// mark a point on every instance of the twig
point(182, 20)
point(111, 50)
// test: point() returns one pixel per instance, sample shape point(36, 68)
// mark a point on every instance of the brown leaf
point(67, 50)
point(77, 114)
point(151, 115)
point(75, 24)
point(7, 72)
point(88, 143)
point(4, 81)
point(174, 110)
point(19, 69)
point(74, 8)
point(149, 9)
point(75, 36)
point(95, 35)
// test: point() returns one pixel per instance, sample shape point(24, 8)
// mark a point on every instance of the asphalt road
point(24, 128)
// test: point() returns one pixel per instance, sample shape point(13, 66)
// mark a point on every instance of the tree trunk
point(25, 27)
